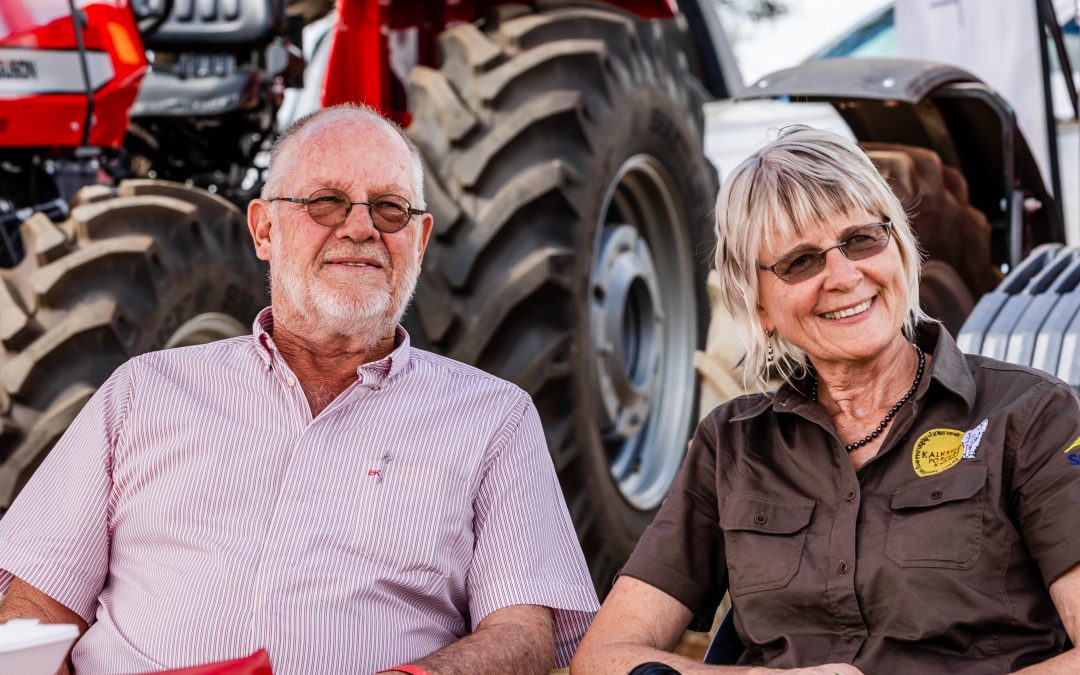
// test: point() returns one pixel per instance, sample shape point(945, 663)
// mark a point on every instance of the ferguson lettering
point(18, 69)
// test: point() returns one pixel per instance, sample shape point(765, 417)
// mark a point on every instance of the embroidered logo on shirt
point(936, 451)
point(971, 440)
point(1074, 457)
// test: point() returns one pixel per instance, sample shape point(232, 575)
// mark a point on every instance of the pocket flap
point(764, 514)
point(958, 483)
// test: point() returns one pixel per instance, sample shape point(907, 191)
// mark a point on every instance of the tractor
point(563, 149)
point(565, 169)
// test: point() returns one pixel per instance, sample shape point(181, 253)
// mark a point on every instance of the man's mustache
point(372, 252)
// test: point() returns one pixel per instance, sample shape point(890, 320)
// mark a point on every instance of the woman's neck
point(853, 393)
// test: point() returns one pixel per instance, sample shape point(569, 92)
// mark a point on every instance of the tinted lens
point(800, 266)
point(328, 207)
point(865, 242)
point(390, 212)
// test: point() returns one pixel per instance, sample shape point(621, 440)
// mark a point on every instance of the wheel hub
point(643, 330)
point(626, 321)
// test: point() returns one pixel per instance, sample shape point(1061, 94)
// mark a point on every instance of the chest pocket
point(763, 540)
point(937, 522)
point(405, 521)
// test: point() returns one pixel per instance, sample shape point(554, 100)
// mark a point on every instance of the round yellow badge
point(936, 451)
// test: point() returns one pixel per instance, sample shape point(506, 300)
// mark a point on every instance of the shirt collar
point(376, 371)
point(261, 329)
point(948, 367)
point(390, 365)
point(756, 407)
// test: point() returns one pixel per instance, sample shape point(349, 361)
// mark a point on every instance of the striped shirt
point(195, 512)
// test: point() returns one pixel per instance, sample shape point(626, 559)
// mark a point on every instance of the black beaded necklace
point(892, 411)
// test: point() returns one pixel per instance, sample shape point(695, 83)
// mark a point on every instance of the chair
point(726, 647)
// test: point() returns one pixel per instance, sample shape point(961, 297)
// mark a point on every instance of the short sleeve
point(526, 551)
point(681, 552)
point(55, 536)
point(1045, 481)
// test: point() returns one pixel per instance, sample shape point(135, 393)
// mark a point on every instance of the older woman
point(896, 506)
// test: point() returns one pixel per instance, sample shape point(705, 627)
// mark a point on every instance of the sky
point(765, 46)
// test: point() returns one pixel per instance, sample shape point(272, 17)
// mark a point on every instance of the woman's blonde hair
point(805, 176)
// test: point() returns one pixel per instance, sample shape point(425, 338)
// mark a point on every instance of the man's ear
point(259, 224)
point(427, 222)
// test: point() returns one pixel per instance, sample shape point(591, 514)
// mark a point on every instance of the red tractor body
point(54, 95)
point(359, 67)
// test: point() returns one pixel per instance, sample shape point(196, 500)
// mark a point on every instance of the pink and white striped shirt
point(195, 512)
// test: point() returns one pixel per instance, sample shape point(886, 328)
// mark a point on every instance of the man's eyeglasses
point(330, 208)
point(859, 244)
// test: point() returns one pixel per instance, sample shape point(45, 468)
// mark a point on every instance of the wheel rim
point(205, 328)
point(644, 328)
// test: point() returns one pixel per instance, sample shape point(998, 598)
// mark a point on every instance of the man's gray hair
point(324, 115)
point(805, 176)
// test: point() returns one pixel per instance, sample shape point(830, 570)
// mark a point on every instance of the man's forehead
point(350, 153)
point(346, 133)
point(376, 184)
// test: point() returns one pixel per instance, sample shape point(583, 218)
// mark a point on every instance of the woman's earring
point(769, 354)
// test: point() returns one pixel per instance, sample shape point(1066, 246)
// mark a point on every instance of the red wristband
point(406, 668)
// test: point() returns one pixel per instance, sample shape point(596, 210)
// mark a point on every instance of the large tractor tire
point(143, 266)
point(572, 205)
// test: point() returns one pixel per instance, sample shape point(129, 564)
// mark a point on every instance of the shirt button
point(291, 380)
point(841, 569)
point(850, 495)
point(761, 519)
point(936, 494)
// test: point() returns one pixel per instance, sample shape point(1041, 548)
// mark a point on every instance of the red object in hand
point(256, 664)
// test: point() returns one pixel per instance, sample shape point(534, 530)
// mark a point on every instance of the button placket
point(278, 550)
point(840, 586)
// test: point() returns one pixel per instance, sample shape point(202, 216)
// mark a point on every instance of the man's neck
point(325, 365)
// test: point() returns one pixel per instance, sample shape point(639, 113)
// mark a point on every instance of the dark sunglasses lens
point(866, 242)
point(800, 266)
point(328, 207)
point(390, 212)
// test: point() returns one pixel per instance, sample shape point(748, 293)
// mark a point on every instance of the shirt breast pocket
point(937, 522)
point(763, 540)
point(405, 518)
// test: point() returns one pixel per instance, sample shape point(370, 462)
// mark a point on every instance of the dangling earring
point(769, 354)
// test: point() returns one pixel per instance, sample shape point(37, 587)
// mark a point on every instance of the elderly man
point(320, 488)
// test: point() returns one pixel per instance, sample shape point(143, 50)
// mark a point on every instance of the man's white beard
point(364, 313)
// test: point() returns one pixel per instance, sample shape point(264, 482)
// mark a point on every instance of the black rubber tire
point(118, 278)
point(523, 129)
point(944, 296)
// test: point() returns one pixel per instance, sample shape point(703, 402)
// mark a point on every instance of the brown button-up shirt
point(935, 556)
